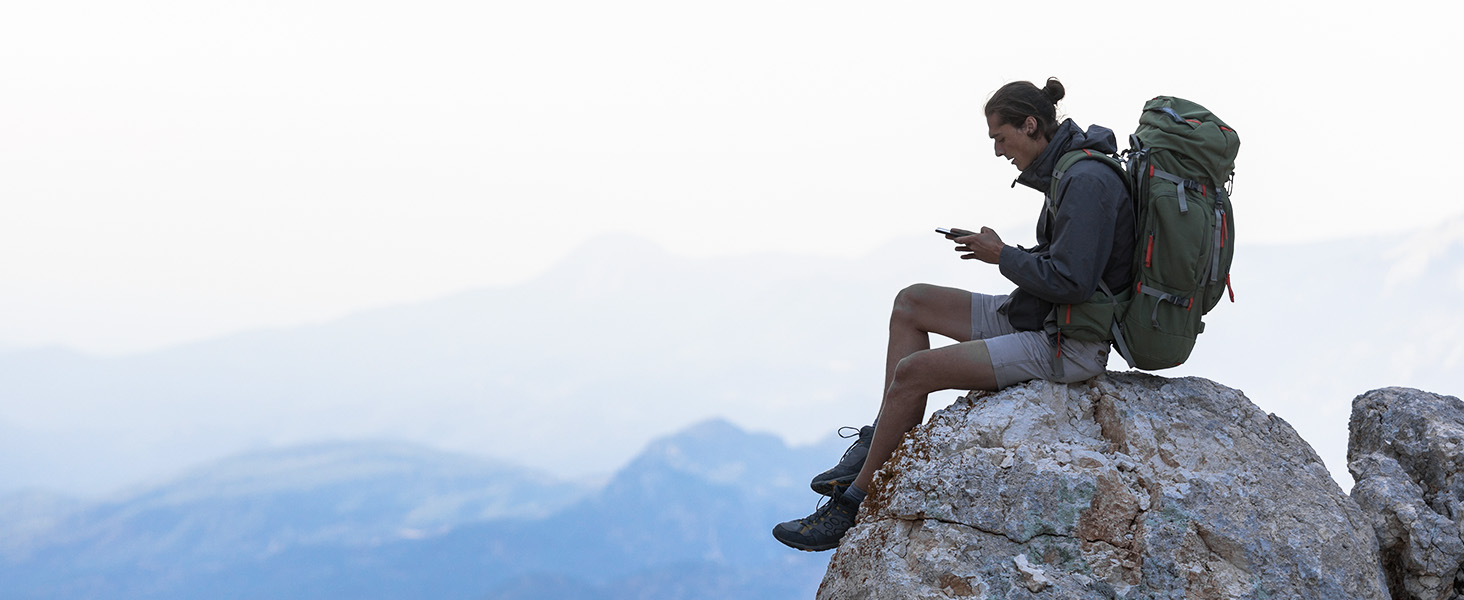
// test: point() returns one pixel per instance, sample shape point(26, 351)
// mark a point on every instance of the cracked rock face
point(1129, 486)
point(1406, 450)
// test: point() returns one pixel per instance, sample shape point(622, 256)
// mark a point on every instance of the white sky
point(175, 170)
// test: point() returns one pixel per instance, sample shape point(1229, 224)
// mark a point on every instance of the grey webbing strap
point(1163, 297)
point(1054, 335)
point(1122, 346)
point(1173, 115)
point(1180, 184)
point(1057, 370)
point(1219, 241)
point(1048, 196)
point(1118, 341)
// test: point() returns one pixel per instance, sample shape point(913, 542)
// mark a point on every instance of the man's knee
point(910, 370)
point(926, 371)
point(911, 302)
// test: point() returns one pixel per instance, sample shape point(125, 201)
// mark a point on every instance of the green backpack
point(1179, 164)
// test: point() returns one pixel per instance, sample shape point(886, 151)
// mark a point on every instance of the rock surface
point(1406, 449)
point(1128, 486)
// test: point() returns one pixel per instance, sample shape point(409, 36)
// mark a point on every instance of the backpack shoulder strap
point(1066, 161)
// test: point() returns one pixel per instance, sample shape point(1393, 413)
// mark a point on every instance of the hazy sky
point(175, 170)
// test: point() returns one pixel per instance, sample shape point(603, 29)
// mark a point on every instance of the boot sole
point(806, 547)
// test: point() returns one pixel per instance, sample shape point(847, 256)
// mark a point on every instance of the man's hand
point(984, 246)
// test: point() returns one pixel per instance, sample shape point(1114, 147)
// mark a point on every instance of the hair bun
point(1054, 90)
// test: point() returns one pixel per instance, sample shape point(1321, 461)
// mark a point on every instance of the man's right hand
point(984, 246)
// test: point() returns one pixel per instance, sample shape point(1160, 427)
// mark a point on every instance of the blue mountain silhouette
point(688, 517)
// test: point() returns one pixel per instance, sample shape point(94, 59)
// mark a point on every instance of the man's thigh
point(1027, 355)
point(935, 309)
point(986, 322)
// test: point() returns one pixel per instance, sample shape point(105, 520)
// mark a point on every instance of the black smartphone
point(954, 232)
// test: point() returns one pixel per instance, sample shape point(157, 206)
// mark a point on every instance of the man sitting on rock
point(1001, 339)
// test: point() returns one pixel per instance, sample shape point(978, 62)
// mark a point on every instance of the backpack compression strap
point(1180, 185)
point(1118, 342)
point(1180, 301)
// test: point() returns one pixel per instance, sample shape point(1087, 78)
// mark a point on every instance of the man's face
point(1018, 145)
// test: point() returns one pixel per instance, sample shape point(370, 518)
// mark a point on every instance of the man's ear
point(1029, 127)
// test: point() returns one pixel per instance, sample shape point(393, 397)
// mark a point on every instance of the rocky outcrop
point(1406, 450)
point(1128, 486)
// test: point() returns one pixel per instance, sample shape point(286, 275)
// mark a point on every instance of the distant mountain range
point(572, 372)
point(569, 373)
point(688, 518)
point(208, 471)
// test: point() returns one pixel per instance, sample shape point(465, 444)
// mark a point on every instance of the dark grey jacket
point(1091, 236)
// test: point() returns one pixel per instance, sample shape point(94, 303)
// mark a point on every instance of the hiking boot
point(834, 481)
point(821, 530)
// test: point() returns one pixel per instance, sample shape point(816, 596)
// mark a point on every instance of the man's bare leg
point(966, 365)
point(912, 371)
point(919, 311)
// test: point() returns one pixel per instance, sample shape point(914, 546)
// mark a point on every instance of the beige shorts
point(1019, 356)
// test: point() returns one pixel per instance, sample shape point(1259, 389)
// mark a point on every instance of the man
point(1001, 340)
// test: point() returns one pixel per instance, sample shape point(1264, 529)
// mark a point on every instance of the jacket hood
point(1069, 137)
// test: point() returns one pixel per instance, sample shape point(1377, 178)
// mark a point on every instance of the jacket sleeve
point(1068, 269)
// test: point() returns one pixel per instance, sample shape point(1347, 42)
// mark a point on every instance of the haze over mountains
point(571, 372)
point(574, 371)
point(688, 518)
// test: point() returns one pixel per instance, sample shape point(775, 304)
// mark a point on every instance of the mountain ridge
point(642, 525)
point(766, 342)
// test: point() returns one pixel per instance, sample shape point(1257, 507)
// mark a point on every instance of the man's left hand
point(984, 246)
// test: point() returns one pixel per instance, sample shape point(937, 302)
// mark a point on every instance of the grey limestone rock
point(1128, 486)
point(1405, 450)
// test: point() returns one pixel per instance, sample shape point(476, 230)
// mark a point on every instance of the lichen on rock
point(1127, 486)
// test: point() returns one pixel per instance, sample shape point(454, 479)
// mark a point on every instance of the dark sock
point(854, 494)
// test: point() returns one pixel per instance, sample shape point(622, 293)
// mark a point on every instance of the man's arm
point(1069, 269)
